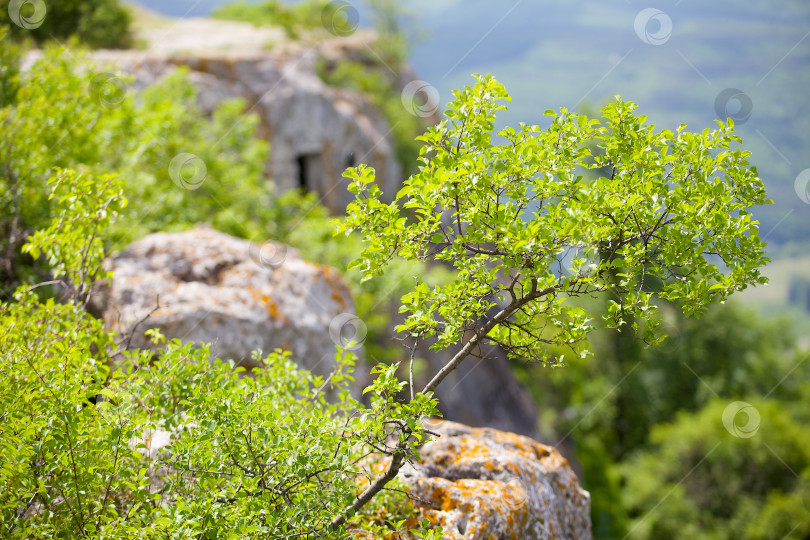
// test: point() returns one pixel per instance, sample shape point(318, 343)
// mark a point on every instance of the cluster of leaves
point(96, 23)
point(524, 230)
point(264, 456)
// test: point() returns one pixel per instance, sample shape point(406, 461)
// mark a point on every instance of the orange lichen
point(269, 304)
point(337, 287)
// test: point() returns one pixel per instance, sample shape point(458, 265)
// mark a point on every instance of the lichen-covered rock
point(237, 295)
point(482, 484)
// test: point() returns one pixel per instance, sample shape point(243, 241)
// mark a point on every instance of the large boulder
point(203, 286)
point(483, 484)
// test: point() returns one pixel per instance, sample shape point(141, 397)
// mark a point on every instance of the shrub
point(97, 23)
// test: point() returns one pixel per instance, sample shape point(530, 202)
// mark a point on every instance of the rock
point(487, 484)
point(482, 391)
point(237, 295)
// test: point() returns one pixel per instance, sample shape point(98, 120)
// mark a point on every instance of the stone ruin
point(315, 131)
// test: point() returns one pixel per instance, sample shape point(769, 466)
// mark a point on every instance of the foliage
point(515, 210)
point(75, 250)
point(265, 456)
point(62, 116)
point(9, 67)
point(718, 486)
point(295, 19)
point(612, 401)
point(137, 136)
point(97, 23)
point(527, 236)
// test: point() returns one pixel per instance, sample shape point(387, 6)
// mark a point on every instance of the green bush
point(265, 456)
point(62, 116)
point(97, 23)
point(700, 481)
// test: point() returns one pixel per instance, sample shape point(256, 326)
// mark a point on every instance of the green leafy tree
point(97, 23)
point(700, 480)
point(729, 352)
point(525, 233)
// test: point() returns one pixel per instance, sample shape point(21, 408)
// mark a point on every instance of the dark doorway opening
point(309, 171)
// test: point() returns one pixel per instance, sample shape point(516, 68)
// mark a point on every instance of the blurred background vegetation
point(643, 426)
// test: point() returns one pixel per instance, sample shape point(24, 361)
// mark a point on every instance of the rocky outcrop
point(203, 286)
point(482, 391)
point(315, 131)
point(480, 484)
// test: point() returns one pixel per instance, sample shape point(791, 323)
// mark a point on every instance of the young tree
point(512, 213)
